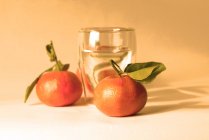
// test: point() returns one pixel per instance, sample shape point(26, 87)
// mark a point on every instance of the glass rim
point(105, 29)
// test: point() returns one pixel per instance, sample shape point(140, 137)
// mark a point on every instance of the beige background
point(175, 32)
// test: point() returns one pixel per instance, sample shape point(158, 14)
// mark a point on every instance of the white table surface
point(178, 111)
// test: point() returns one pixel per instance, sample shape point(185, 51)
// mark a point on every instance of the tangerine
point(59, 88)
point(120, 96)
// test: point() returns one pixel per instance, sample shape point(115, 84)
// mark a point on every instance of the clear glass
point(97, 46)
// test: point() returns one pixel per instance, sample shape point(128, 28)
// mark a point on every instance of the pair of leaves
point(144, 72)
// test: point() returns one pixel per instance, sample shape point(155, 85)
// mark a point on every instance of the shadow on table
point(84, 101)
point(170, 99)
point(81, 102)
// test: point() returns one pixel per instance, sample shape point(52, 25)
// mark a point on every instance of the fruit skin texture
point(59, 88)
point(120, 96)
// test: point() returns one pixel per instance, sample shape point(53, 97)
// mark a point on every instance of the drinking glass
point(97, 46)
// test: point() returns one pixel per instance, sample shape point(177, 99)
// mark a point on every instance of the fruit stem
point(116, 67)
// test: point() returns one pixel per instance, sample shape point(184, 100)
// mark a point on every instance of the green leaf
point(32, 85)
point(65, 67)
point(51, 52)
point(144, 72)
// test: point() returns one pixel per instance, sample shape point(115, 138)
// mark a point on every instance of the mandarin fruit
point(59, 88)
point(120, 96)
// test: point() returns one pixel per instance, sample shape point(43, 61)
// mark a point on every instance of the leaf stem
point(116, 67)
